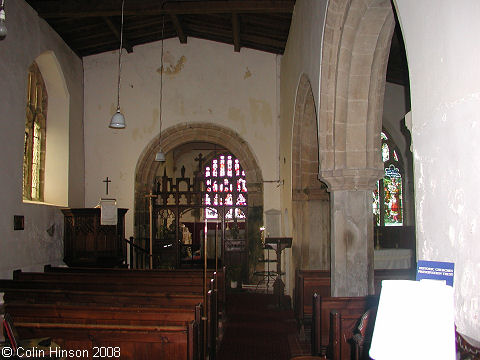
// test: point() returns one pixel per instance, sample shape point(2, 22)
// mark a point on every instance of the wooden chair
point(363, 335)
point(465, 350)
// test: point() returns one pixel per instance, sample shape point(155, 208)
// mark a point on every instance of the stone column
point(352, 233)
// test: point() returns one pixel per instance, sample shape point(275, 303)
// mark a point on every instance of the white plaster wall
point(204, 82)
point(302, 56)
point(28, 37)
point(441, 39)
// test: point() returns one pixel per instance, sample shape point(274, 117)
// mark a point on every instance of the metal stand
point(278, 244)
point(266, 276)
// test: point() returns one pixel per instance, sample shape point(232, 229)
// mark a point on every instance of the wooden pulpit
point(88, 243)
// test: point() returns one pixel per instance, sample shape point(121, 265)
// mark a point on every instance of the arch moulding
point(200, 132)
point(355, 52)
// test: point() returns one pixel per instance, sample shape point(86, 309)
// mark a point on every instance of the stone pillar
point(352, 230)
point(352, 243)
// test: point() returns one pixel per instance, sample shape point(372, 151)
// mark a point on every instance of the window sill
point(40, 203)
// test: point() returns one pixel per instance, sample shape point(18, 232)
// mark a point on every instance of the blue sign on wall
point(435, 270)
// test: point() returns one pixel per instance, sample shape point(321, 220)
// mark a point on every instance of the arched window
point(34, 143)
point(388, 196)
point(226, 186)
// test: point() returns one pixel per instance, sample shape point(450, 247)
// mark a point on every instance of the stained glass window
point(34, 142)
point(226, 186)
point(388, 195)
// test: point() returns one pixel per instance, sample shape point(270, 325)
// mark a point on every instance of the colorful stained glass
point(34, 141)
point(211, 213)
point(387, 197)
point(237, 167)
point(376, 204)
point(36, 162)
point(229, 166)
point(239, 214)
point(393, 201)
point(241, 200)
point(224, 180)
point(385, 152)
point(222, 166)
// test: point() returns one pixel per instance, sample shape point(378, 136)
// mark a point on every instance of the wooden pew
point(123, 280)
point(89, 316)
point(128, 341)
point(135, 303)
point(191, 273)
point(392, 274)
point(343, 340)
point(308, 282)
point(345, 306)
point(130, 293)
point(141, 299)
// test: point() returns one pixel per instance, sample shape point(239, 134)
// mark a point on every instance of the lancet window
point(35, 130)
point(388, 195)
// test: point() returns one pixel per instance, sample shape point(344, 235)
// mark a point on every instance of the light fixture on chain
point(3, 27)
point(160, 155)
point(118, 120)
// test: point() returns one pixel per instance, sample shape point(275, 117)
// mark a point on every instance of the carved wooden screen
point(215, 199)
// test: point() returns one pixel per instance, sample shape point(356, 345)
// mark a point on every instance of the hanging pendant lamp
point(160, 155)
point(3, 27)
point(118, 120)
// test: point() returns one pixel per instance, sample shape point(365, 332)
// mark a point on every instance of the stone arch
point(311, 208)
point(355, 53)
point(184, 133)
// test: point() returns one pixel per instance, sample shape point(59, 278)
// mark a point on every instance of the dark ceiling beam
point(71, 8)
point(178, 28)
point(114, 29)
point(236, 32)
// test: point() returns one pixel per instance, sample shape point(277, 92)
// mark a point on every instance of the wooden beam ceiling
point(74, 9)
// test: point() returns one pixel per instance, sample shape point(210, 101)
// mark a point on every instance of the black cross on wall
point(107, 181)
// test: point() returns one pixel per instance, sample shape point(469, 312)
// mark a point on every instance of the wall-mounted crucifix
point(107, 181)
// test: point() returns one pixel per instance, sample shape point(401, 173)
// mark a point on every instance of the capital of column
point(351, 179)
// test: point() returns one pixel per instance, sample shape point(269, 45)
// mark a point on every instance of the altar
point(393, 258)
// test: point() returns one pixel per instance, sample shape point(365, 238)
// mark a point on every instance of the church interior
point(190, 165)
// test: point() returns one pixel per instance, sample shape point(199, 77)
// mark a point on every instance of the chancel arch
point(311, 207)
point(189, 148)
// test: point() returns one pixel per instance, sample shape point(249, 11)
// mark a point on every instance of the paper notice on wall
point(108, 212)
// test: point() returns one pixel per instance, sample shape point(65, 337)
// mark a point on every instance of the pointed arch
point(310, 208)
point(57, 130)
point(354, 60)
